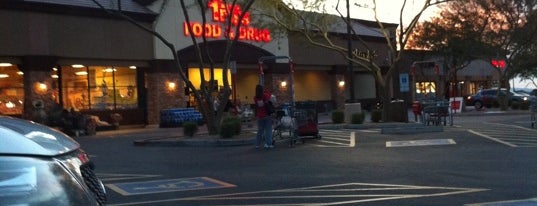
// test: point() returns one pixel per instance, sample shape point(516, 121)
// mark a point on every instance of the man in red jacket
point(264, 120)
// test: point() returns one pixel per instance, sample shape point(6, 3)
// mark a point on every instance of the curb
point(194, 143)
point(412, 130)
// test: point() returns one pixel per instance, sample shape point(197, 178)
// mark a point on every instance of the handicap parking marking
point(523, 202)
point(167, 185)
point(426, 142)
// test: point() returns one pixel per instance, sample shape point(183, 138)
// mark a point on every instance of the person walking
point(264, 121)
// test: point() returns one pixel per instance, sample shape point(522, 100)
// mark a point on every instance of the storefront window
point(425, 90)
point(99, 87)
point(11, 90)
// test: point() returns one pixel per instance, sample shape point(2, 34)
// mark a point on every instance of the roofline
point(74, 10)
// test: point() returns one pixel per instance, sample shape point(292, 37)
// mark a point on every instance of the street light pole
point(349, 53)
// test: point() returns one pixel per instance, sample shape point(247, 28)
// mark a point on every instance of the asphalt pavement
point(153, 135)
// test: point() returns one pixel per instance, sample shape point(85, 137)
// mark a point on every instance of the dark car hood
point(21, 137)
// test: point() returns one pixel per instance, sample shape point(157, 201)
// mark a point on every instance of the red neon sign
point(498, 63)
point(220, 11)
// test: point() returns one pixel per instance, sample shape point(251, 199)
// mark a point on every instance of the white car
point(42, 166)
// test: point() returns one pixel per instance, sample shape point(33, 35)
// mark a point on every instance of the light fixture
point(132, 67)
point(54, 76)
point(77, 65)
point(341, 83)
point(4, 75)
point(171, 86)
point(283, 84)
point(20, 73)
point(42, 86)
point(81, 73)
point(5, 64)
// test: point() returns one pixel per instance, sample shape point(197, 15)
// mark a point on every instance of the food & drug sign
point(220, 12)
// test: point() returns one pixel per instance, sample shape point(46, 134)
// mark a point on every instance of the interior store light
point(109, 70)
point(20, 73)
point(5, 64)
point(77, 65)
point(81, 73)
point(4, 75)
point(132, 67)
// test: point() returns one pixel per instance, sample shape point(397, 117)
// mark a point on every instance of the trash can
point(398, 111)
point(350, 109)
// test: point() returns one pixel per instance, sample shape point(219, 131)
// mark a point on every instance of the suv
point(42, 166)
point(487, 97)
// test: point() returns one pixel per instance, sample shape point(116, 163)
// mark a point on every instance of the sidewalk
point(153, 135)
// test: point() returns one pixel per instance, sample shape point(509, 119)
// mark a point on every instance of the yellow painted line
point(113, 176)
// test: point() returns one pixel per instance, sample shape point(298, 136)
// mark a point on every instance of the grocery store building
point(75, 56)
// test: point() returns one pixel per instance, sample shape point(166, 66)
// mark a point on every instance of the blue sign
point(169, 185)
point(404, 84)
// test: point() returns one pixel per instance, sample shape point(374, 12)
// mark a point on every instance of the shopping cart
point(293, 124)
point(284, 127)
point(437, 112)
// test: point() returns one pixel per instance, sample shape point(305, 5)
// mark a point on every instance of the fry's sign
point(220, 13)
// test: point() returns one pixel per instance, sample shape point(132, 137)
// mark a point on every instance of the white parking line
point(491, 138)
point(326, 194)
point(336, 138)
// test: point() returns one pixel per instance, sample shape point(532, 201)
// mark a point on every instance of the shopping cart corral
point(292, 125)
point(436, 113)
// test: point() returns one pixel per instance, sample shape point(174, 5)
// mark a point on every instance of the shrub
point(358, 118)
point(190, 128)
point(376, 115)
point(338, 116)
point(230, 126)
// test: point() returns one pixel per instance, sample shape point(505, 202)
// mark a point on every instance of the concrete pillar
point(159, 94)
point(339, 93)
point(40, 92)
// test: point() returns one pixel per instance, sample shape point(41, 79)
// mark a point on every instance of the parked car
point(487, 97)
point(526, 91)
point(42, 166)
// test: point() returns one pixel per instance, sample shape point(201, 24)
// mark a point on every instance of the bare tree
point(493, 30)
point(318, 28)
point(204, 95)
